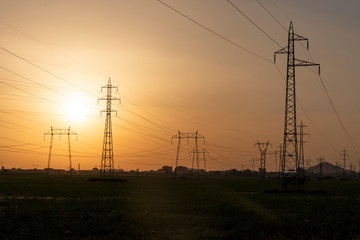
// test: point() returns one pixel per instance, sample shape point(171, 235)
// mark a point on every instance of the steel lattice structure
point(301, 150)
point(344, 156)
point(262, 148)
point(188, 136)
point(194, 153)
point(60, 132)
point(107, 157)
point(290, 161)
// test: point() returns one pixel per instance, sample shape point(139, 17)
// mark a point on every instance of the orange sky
point(172, 75)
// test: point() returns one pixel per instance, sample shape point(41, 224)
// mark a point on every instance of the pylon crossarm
point(301, 38)
point(284, 50)
point(303, 63)
point(111, 98)
point(108, 111)
point(297, 37)
point(300, 63)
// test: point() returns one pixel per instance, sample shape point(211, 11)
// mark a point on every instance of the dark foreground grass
point(72, 207)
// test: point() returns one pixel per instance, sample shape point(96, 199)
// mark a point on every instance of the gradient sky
point(173, 75)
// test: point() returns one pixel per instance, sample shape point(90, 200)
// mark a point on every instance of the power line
point(333, 107)
point(308, 116)
point(164, 128)
point(338, 117)
point(51, 48)
point(280, 10)
point(45, 70)
point(271, 15)
point(347, 134)
point(215, 33)
point(238, 9)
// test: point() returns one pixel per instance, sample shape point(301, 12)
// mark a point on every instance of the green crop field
point(139, 207)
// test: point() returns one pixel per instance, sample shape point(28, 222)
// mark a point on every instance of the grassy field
point(72, 207)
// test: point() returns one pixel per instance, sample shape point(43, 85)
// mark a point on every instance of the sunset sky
point(173, 75)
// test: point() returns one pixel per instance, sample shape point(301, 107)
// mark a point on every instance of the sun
point(76, 108)
point(76, 111)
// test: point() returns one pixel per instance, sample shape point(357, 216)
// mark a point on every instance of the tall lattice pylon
point(107, 157)
point(290, 166)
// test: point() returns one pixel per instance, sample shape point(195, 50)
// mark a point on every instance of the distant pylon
point(290, 146)
point(107, 157)
point(187, 136)
point(343, 156)
point(262, 148)
point(59, 132)
point(278, 156)
point(301, 150)
point(204, 152)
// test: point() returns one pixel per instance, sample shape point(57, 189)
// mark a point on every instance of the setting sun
point(75, 108)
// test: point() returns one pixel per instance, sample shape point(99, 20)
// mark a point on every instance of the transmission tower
point(343, 156)
point(290, 146)
point(59, 132)
point(187, 136)
point(301, 150)
point(107, 157)
point(194, 153)
point(262, 148)
point(278, 155)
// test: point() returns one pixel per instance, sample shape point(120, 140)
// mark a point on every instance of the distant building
point(167, 169)
point(181, 169)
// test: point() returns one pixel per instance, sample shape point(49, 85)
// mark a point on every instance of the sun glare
point(75, 108)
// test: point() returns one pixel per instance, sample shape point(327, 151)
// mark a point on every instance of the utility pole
point(262, 148)
point(290, 146)
point(343, 156)
point(59, 132)
point(196, 136)
point(107, 157)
